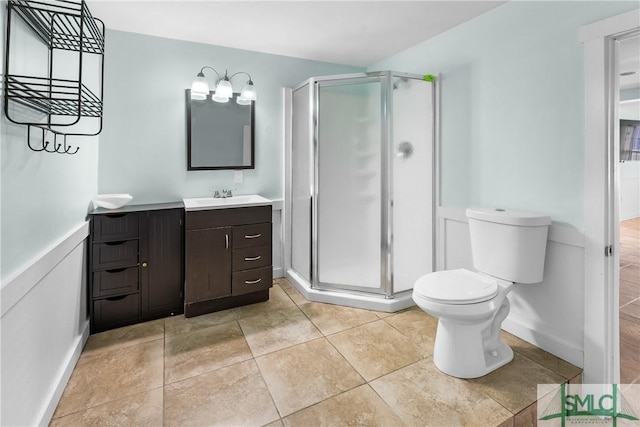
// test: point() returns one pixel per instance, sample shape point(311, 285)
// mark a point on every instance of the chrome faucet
point(226, 193)
point(216, 195)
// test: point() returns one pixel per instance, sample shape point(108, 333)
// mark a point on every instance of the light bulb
point(249, 91)
point(199, 87)
point(224, 88)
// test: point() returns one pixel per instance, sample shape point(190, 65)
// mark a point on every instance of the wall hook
point(57, 147)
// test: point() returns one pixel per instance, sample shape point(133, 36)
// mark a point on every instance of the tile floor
point(290, 362)
point(630, 301)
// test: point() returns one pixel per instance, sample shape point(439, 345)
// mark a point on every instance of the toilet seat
point(456, 287)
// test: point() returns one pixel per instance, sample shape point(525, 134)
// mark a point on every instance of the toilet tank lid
point(508, 216)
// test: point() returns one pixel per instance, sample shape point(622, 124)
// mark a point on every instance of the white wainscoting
point(44, 328)
point(549, 314)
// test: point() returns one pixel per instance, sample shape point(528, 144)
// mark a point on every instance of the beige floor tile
point(278, 300)
point(548, 360)
point(418, 326)
point(383, 314)
point(124, 337)
point(179, 324)
point(143, 409)
point(330, 318)
point(629, 351)
point(632, 309)
point(292, 292)
point(631, 395)
point(628, 292)
point(277, 329)
point(203, 350)
point(528, 417)
point(422, 395)
point(231, 396)
point(306, 374)
point(111, 375)
point(276, 423)
point(515, 385)
point(360, 406)
point(631, 273)
point(509, 422)
point(375, 349)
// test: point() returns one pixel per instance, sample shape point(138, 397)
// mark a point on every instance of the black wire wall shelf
point(61, 102)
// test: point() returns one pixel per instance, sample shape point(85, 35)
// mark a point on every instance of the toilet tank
point(508, 244)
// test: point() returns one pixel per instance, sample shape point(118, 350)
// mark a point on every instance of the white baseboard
point(63, 377)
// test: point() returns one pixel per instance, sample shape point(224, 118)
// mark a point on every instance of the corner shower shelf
point(61, 25)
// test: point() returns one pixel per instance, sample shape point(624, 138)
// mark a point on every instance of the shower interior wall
point(359, 170)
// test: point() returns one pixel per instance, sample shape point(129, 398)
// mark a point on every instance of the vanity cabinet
point(228, 258)
point(135, 264)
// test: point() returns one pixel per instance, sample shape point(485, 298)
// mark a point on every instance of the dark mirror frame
point(190, 167)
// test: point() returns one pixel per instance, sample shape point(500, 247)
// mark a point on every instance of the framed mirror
point(219, 135)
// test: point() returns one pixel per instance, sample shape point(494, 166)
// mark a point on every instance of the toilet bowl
point(470, 308)
point(508, 247)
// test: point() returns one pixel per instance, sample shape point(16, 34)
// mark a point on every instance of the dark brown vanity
point(157, 260)
point(227, 258)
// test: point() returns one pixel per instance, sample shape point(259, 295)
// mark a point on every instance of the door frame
point(601, 267)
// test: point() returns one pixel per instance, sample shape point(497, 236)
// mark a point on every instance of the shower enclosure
point(360, 188)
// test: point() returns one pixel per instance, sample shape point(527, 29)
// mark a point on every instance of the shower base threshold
point(399, 301)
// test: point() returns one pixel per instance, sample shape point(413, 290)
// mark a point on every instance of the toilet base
point(469, 351)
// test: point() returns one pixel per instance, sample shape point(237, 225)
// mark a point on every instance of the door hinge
point(608, 250)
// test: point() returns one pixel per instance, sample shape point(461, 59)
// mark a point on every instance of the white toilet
point(507, 247)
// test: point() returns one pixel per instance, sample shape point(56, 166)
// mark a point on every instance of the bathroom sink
point(204, 203)
point(112, 201)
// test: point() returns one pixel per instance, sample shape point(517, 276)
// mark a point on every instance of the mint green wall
point(43, 196)
point(512, 105)
point(143, 145)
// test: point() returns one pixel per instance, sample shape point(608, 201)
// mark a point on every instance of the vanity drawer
point(115, 311)
point(115, 282)
point(214, 218)
point(251, 235)
point(245, 282)
point(110, 227)
point(115, 254)
point(253, 257)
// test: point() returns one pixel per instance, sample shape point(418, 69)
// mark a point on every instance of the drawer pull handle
point(115, 270)
point(252, 282)
point(252, 258)
point(118, 298)
point(253, 236)
point(226, 241)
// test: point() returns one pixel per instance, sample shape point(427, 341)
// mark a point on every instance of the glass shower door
point(349, 185)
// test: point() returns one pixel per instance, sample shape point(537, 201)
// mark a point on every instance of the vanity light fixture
point(224, 89)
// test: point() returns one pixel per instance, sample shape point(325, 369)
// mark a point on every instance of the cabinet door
point(161, 262)
point(208, 264)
